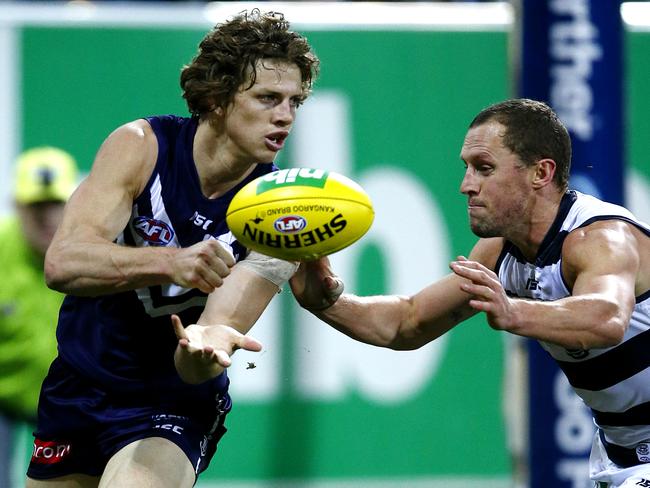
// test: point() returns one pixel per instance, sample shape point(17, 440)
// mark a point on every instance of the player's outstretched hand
point(487, 292)
point(204, 351)
point(315, 285)
point(203, 265)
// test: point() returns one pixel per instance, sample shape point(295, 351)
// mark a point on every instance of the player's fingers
point(196, 279)
point(479, 292)
point(475, 265)
point(460, 270)
point(179, 330)
point(249, 344)
point(224, 255)
point(480, 305)
point(466, 270)
point(208, 281)
point(218, 267)
point(222, 358)
point(216, 255)
point(334, 287)
point(214, 278)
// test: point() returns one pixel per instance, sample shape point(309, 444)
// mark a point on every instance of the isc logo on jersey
point(299, 213)
point(154, 231)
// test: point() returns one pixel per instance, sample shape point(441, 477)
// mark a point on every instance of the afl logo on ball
point(155, 232)
point(290, 224)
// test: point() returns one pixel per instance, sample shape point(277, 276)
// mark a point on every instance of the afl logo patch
point(155, 232)
point(643, 452)
point(290, 224)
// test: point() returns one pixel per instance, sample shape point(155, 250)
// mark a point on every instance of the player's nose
point(284, 113)
point(469, 183)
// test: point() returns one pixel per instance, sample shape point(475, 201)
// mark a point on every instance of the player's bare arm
point(400, 322)
point(600, 264)
point(396, 322)
point(84, 260)
point(205, 349)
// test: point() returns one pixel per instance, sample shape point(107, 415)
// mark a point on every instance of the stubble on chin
point(484, 229)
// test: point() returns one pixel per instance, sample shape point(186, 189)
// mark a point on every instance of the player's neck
point(543, 213)
point(218, 170)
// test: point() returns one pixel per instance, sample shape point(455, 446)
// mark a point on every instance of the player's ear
point(544, 172)
point(215, 117)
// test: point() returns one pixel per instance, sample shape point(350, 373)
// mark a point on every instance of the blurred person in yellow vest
point(44, 179)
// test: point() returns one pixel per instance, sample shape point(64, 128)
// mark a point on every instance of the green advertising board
point(390, 110)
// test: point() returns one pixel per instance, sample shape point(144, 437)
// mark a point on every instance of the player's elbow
point(409, 335)
point(54, 270)
point(615, 318)
point(614, 332)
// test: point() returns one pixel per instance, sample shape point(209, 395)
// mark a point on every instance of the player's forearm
point(581, 322)
point(384, 321)
point(96, 268)
point(240, 301)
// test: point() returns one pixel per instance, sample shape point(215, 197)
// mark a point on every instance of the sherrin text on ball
point(300, 214)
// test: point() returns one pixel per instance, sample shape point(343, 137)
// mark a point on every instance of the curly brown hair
point(228, 55)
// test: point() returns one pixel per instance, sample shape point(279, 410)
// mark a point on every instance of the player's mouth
point(275, 140)
point(473, 206)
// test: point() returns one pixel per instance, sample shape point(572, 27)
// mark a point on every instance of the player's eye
point(297, 102)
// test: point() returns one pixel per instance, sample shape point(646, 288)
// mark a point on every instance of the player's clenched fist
point(203, 265)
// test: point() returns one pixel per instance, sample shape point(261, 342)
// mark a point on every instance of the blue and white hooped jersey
point(614, 382)
point(126, 341)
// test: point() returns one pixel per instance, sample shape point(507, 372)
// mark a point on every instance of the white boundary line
point(313, 15)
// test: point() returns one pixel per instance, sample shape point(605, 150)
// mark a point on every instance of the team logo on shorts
point(49, 452)
point(643, 452)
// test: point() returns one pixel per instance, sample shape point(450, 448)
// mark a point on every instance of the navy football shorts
point(80, 427)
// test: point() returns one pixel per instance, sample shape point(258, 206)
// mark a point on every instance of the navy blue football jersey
point(125, 342)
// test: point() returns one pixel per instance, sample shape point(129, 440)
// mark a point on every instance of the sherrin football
point(300, 214)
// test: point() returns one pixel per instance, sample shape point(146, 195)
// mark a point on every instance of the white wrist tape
point(275, 270)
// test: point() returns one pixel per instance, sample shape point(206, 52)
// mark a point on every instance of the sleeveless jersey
point(615, 381)
point(125, 342)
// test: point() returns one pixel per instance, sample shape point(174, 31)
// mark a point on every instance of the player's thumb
point(179, 330)
point(334, 287)
point(250, 344)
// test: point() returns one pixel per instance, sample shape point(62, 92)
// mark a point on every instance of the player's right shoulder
point(128, 155)
point(136, 135)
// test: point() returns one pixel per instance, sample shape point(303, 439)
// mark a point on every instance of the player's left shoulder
point(601, 242)
point(603, 231)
